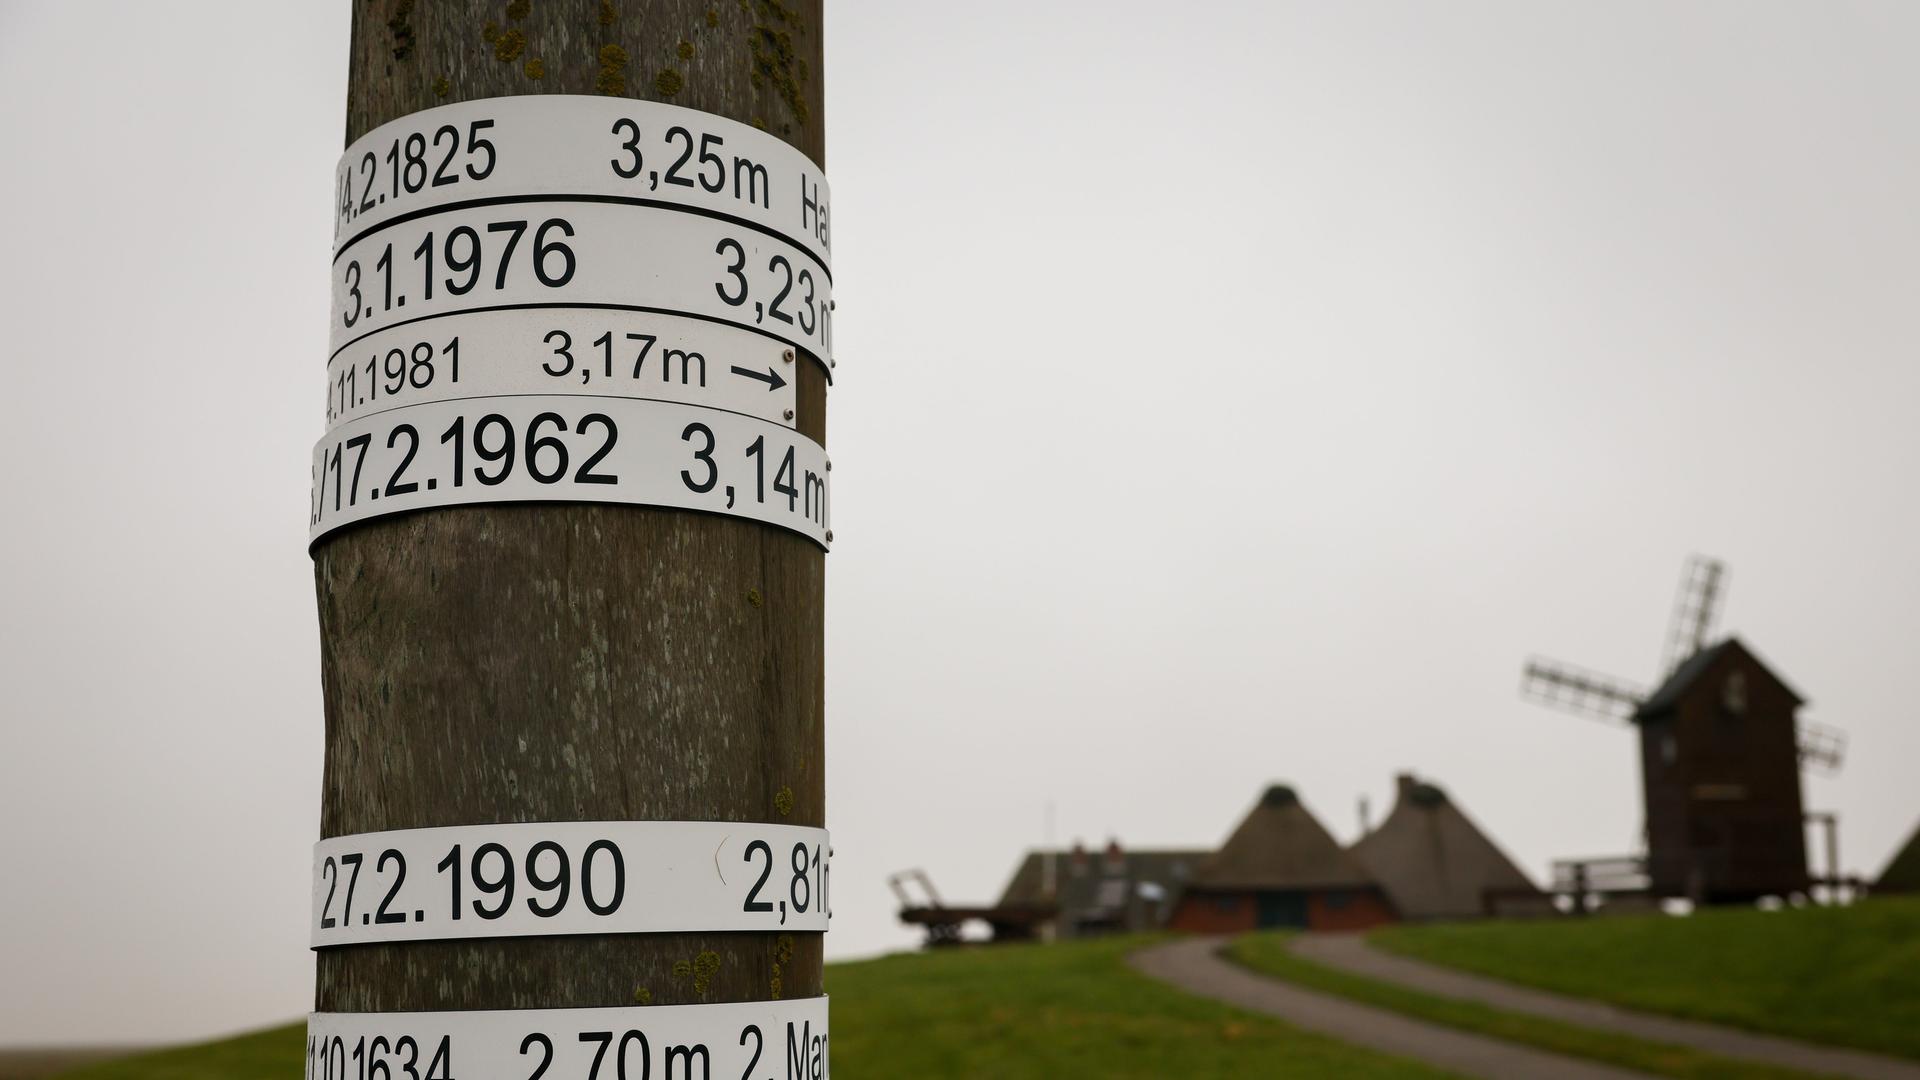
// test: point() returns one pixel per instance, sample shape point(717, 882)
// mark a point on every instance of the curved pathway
point(1192, 964)
point(1351, 953)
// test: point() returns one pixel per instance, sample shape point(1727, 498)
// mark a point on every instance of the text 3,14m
point(554, 448)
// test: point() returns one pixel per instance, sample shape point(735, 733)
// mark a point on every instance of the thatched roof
point(1088, 887)
point(1433, 861)
point(1280, 845)
point(1903, 872)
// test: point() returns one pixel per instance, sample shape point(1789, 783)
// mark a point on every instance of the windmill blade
point(1579, 691)
point(1702, 582)
point(1823, 748)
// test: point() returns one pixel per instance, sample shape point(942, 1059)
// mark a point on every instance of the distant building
point(1280, 868)
point(1434, 863)
point(1720, 753)
point(1902, 874)
point(1114, 891)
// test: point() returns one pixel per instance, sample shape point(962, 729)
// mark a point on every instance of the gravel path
point(1193, 965)
point(1351, 953)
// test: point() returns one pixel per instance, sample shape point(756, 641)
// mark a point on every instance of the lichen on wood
point(612, 80)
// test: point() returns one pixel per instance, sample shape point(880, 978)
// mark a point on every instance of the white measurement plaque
point(560, 448)
point(641, 152)
point(590, 352)
point(756, 1040)
point(478, 258)
point(570, 877)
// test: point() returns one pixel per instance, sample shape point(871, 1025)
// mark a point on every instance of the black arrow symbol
point(771, 378)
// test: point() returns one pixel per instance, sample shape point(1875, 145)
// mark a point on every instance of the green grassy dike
point(1005, 1013)
point(1267, 953)
point(1846, 976)
point(279, 1053)
point(1061, 1010)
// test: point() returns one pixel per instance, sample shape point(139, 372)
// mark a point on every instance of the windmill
point(1721, 752)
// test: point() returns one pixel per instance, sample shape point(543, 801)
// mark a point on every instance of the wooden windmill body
point(1721, 752)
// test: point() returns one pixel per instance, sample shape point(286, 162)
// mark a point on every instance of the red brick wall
point(1362, 909)
point(1201, 913)
point(1208, 913)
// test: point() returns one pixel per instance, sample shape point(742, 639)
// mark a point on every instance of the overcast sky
point(1228, 393)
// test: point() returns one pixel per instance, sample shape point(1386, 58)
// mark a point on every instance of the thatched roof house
point(1099, 892)
point(1902, 874)
point(1280, 868)
point(1434, 863)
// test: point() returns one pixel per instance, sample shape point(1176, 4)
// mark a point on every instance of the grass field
point(1267, 953)
point(1848, 976)
point(40, 1062)
point(1005, 1013)
point(1064, 1010)
point(279, 1053)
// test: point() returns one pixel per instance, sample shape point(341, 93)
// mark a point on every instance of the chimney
point(1366, 817)
point(1116, 860)
point(1077, 861)
point(1417, 792)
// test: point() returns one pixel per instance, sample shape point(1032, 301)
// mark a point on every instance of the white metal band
point(776, 1040)
point(560, 448)
point(573, 253)
point(514, 147)
point(573, 351)
point(570, 877)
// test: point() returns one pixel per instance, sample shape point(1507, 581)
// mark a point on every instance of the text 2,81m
point(569, 878)
point(487, 879)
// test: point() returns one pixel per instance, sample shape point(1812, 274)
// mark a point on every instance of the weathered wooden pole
point(549, 662)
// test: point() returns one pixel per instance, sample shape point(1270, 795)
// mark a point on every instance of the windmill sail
point(1703, 582)
point(1577, 690)
point(1694, 611)
point(1822, 747)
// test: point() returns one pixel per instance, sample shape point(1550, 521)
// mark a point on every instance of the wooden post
point(559, 662)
